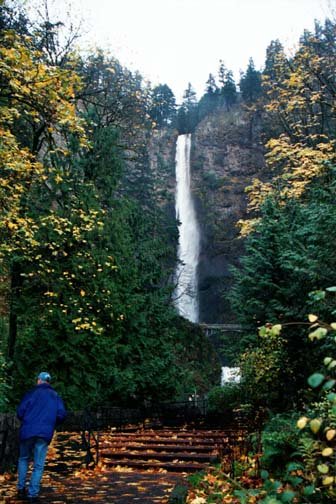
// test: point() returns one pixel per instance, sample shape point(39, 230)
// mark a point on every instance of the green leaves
point(287, 496)
point(270, 330)
point(323, 468)
point(318, 334)
point(309, 490)
point(316, 379)
point(317, 295)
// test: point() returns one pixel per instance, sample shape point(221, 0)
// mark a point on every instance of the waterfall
point(185, 295)
point(230, 375)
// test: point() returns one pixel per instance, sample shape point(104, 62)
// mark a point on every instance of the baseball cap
point(44, 376)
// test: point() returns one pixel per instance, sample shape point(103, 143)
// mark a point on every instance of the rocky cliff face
point(162, 150)
point(227, 154)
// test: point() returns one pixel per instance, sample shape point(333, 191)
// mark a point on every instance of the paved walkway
point(65, 481)
point(100, 487)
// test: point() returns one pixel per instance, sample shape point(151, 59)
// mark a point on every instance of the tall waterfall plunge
point(186, 295)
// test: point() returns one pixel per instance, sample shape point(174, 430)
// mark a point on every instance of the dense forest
point(284, 289)
point(88, 251)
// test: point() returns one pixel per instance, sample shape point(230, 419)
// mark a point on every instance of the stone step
point(165, 449)
point(177, 434)
point(151, 450)
point(161, 447)
point(172, 439)
point(155, 465)
point(180, 456)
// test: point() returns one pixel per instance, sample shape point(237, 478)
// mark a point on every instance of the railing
point(88, 423)
point(90, 439)
point(174, 414)
point(9, 446)
point(211, 329)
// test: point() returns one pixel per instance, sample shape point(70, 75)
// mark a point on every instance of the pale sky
point(179, 41)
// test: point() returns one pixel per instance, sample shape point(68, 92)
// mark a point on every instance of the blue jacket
point(40, 410)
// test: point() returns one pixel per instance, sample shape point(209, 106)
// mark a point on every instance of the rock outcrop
point(227, 154)
point(162, 150)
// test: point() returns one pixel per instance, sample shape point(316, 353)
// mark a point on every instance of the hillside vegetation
point(87, 252)
point(88, 248)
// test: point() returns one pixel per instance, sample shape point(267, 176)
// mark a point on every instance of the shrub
point(211, 180)
point(221, 400)
point(279, 439)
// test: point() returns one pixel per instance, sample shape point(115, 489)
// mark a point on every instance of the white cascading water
point(185, 295)
point(230, 375)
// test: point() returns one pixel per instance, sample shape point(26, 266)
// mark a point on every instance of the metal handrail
point(90, 422)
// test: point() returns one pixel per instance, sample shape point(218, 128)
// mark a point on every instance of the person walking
point(40, 410)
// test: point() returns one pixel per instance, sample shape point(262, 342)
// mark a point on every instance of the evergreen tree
point(187, 115)
point(287, 259)
point(229, 91)
point(275, 59)
point(288, 263)
point(250, 84)
point(163, 105)
point(299, 98)
point(85, 247)
point(211, 86)
point(222, 71)
point(211, 99)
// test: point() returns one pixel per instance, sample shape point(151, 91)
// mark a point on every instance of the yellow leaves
point(87, 324)
point(247, 226)
point(302, 422)
point(327, 452)
point(42, 91)
point(312, 318)
point(295, 80)
point(84, 325)
point(328, 480)
point(300, 165)
point(315, 425)
point(198, 500)
point(58, 179)
point(301, 94)
point(82, 293)
point(330, 434)
point(18, 170)
point(258, 191)
point(11, 225)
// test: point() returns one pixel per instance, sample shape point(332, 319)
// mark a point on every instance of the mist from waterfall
point(186, 291)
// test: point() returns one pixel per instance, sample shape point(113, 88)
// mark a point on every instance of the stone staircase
point(163, 449)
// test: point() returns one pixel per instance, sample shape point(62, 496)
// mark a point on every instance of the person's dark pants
point(34, 448)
